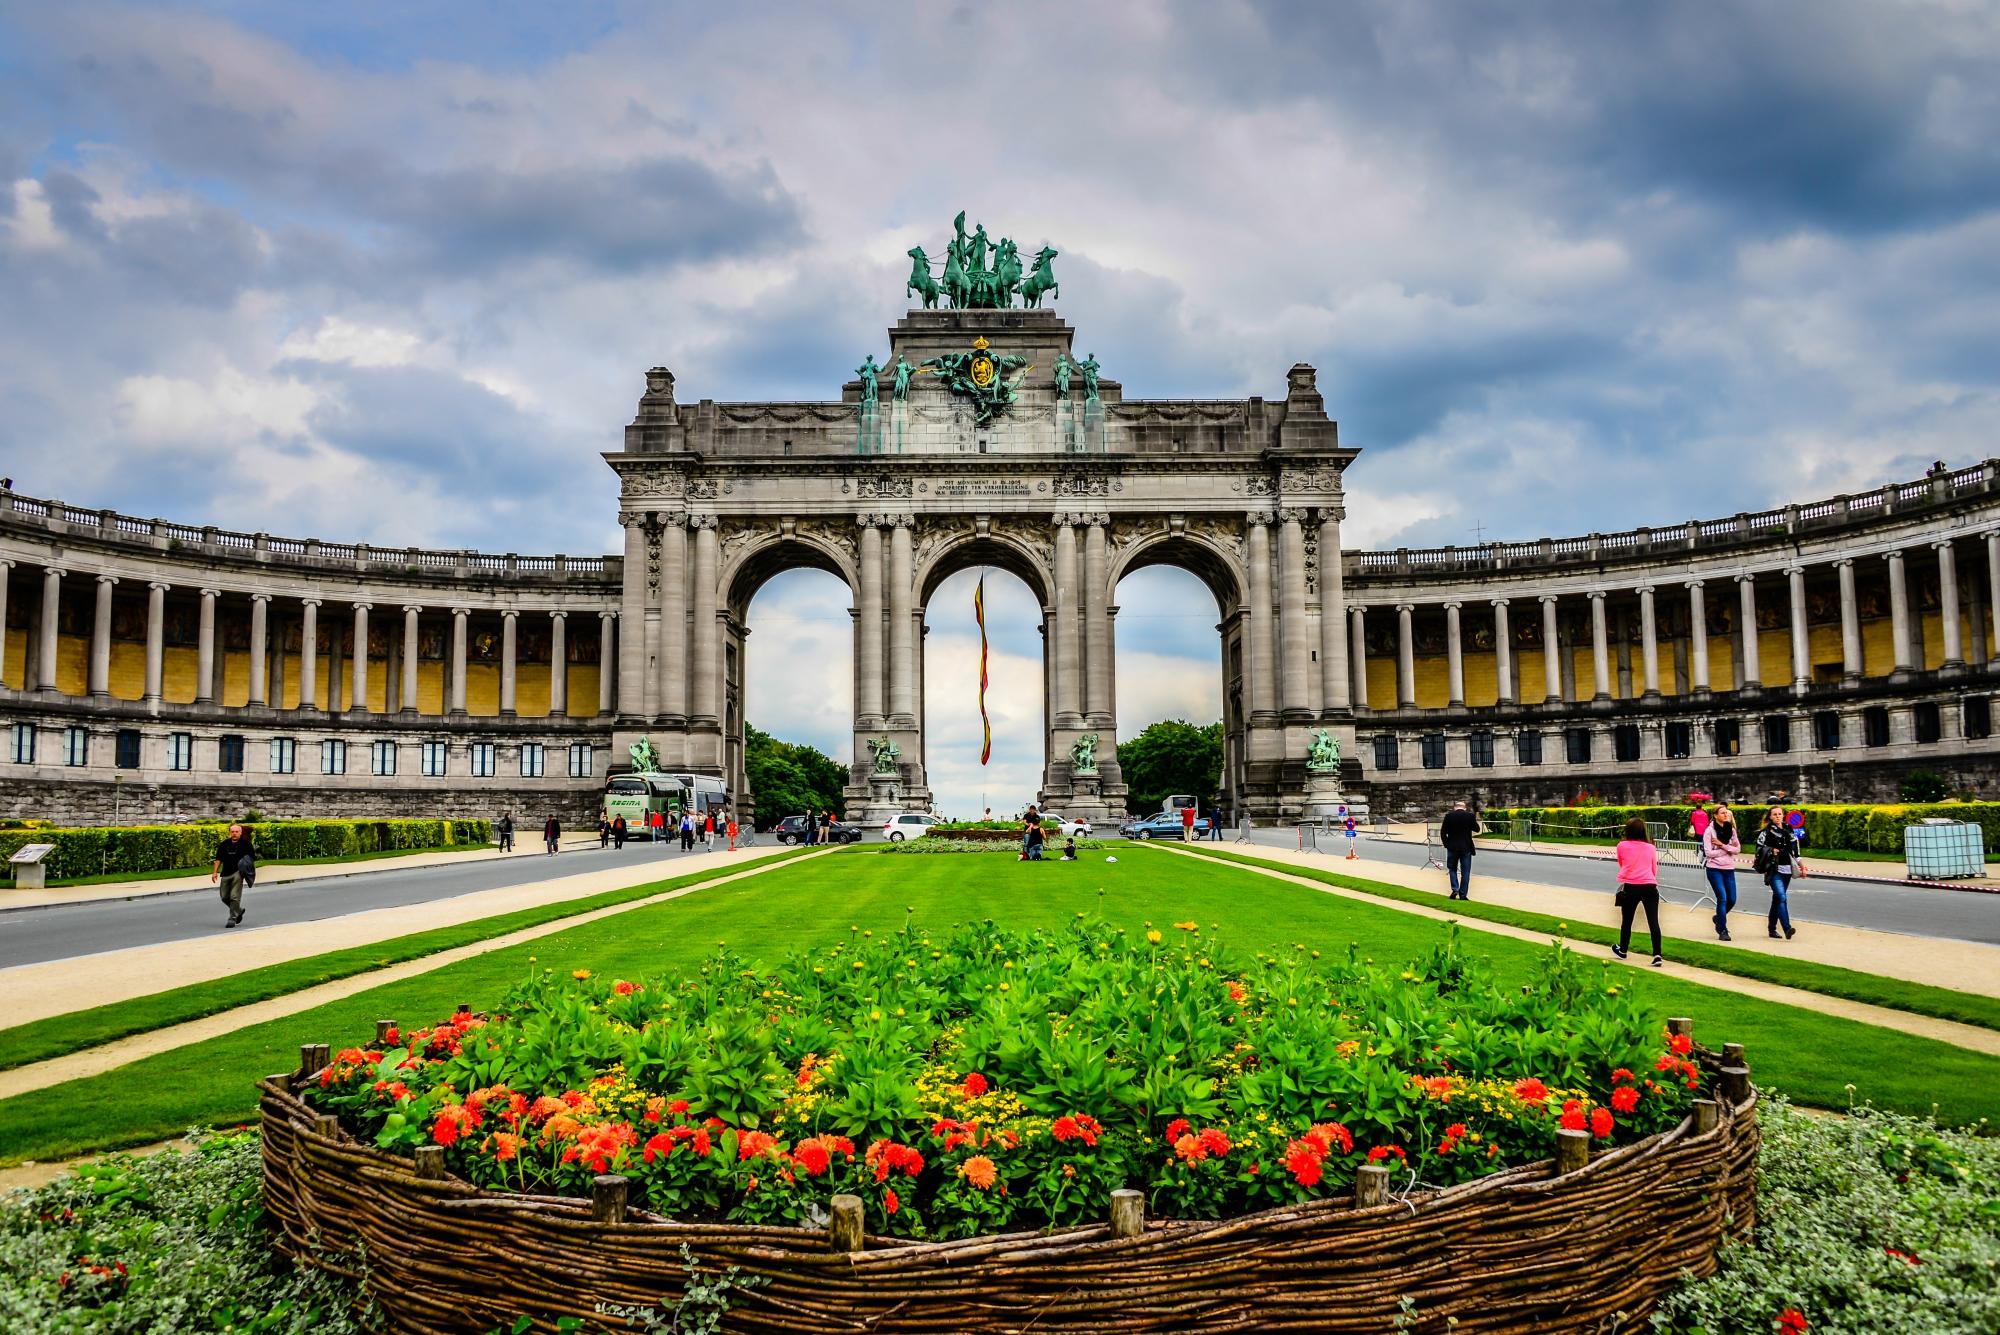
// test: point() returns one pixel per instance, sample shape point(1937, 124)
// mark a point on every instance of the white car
point(907, 825)
point(1065, 827)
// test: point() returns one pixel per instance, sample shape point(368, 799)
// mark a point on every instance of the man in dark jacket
point(230, 856)
point(1455, 832)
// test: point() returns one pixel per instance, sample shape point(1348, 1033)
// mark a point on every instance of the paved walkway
point(1969, 1036)
point(108, 1056)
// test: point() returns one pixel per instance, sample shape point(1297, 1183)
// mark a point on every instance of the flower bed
point(940, 843)
point(980, 1083)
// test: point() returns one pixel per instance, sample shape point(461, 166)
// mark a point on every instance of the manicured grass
point(1811, 1056)
point(62, 1034)
point(168, 873)
point(1941, 1003)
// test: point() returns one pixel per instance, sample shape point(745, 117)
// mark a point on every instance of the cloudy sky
point(391, 270)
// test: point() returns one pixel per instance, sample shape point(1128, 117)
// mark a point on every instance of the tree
point(789, 778)
point(1171, 756)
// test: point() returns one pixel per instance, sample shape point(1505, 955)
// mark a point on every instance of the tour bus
point(637, 796)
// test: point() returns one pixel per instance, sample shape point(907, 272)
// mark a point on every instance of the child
point(1638, 884)
point(1347, 828)
point(1069, 849)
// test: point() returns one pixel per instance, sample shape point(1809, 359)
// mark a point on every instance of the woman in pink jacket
point(1720, 843)
point(1638, 885)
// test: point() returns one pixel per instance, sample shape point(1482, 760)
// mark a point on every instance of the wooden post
point(1736, 1083)
point(322, 1056)
point(1680, 1024)
point(430, 1162)
point(282, 1080)
point(465, 1008)
point(1128, 1213)
point(1706, 1113)
point(607, 1198)
point(382, 1028)
point(844, 1228)
point(327, 1126)
point(1732, 1055)
point(1572, 1151)
point(1371, 1184)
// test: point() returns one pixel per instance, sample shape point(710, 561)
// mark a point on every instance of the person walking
point(603, 832)
point(1187, 823)
point(1699, 819)
point(1455, 832)
point(1348, 828)
point(506, 828)
point(1638, 886)
point(1779, 862)
point(707, 829)
point(1719, 846)
point(227, 873)
point(732, 834)
point(1216, 820)
point(552, 834)
point(619, 830)
point(687, 832)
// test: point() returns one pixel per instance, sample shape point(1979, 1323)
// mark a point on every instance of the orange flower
point(1215, 1142)
point(1190, 1149)
point(889, 1201)
point(1531, 1090)
point(1625, 1098)
point(979, 1171)
point(975, 1085)
point(1681, 1044)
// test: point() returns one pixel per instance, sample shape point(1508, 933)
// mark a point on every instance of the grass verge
point(60, 1035)
point(1941, 1003)
point(1813, 1057)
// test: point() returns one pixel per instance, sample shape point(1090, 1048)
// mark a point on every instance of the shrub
point(133, 849)
point(1922, 785)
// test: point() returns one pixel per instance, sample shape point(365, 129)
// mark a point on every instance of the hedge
point(1859, 827)
point(130, 849)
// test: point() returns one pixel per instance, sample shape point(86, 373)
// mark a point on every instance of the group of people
point(503, 833)
point(817, 829)
point(1034, 838)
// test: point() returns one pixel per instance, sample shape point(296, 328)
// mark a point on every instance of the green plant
point(1922, 785)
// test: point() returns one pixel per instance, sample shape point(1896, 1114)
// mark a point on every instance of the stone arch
point(767, 554)
point(1028, 561)
point(1217, 564)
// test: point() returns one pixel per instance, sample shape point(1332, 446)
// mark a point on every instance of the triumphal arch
point(988, 436)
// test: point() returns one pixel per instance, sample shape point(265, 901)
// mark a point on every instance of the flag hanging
point(985, 724)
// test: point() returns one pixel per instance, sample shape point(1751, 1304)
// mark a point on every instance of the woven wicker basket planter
point(1533, 1249)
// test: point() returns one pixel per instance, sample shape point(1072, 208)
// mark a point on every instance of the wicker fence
point(1582, 1243)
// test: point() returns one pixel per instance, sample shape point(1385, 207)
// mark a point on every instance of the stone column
point(309, 654)
point(558, 663)
point(508, 647)
point(706, 631)
point(1503, 653)
point(1358, 656)
point(260, 638)
point(1334, 693)
point(1746, 634)
point(1454, 658)
point(1649, 644)
point(674, 695)
point(607, 678)
point(156, 640)
point(100, 639)
point(51, 629)
point(1993, 596)
point(902, 645)
point(1067, 682)
point(1697, 639)
point(412, 616)
point(1406, 658)
point(357, 690)
point(1850, 624)
point(1258, 656)
point(1954, 645)
point(1552, 689)
point(1295, 646)
point(1096, 623)
point(1899, 618)
point(455, 701)
point(630, 669)
point(1600, 648)
point(1801, 643)
point(868, 629)
point(204, 656)
point(6, 570)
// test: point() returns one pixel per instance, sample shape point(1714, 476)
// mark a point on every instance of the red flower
point(975, 1085)
point(1531, 1090)
point(1302, 1161)
point(1621, 1076)
point(1792, 1321)
point(1625, 1098)
point(659, 1147)
point(1177, 1128)
point(889, 1201)
point(813, 1158)
point(623, 988)
point(453, 1120)
point(1908, 1257)
point(1601, 1123)
point(1079, 1126)
point(1572, 1116)
point(1381, 1152)
point(1215, 1142)
point(1190, 1149)
point(1681, 1044)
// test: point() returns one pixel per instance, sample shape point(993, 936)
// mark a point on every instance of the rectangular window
point(1577, 742)
point(531, 760)
point(76, 747)
point(1875, 725)
point(21, 743)
point(1728, 737)
point(1480, 746)
point(434, 759)
point(1386, 753)
point(1433, 750)
point(229, 754)
point(482, 759)
point(1680, 741)
point(284, 755)
point(1978, 717)
point(333, 756)
point(382, 758)
point(1625, 741)
point(1777, 733)
point(1826, 730)
point(1929, 721)
point(125, 748)
point(581, 763)
point(1528, 747)
point(180, 750)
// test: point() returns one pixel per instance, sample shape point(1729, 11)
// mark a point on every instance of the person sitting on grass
point(1069, 849)
point(1638, 884)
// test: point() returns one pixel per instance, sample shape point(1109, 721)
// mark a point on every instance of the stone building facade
point(155, 669)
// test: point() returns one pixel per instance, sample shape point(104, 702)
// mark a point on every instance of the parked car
point(1064, 827)
point(792, 829)
point(1161, 827)
point(907, 825)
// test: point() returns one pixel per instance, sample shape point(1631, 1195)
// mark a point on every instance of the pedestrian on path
point(1348, 828)
point(1455, 832)
point(1779, 862)
point(603, 832)
point(227, 873)
point(506, 832)
point(1699, 819)
point(619, 831)
point(687, 831)
point(732, 834)
point(1216, 820)
point(1638, 886)
point(1187, 824)
point(1719, 847)
point(552, 834)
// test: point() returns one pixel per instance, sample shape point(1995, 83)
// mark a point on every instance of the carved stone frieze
point(1086, 484)
point(701, 521)
point(1310, 479)
point(649, 483)
point(1312, 560)
point(1255, 484)
point(882, 487)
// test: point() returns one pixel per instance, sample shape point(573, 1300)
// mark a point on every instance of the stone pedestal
point(1323, 793)
point(883, 800)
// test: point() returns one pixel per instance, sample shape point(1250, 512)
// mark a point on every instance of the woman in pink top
point(1638, 883)
point(1720, 844)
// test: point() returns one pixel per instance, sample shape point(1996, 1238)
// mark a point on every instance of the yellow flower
point(581, 974)
point(1153, 936)
point(1006, 987)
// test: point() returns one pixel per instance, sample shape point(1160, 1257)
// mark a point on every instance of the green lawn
point(1811, 1056)
point(59, 1035)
